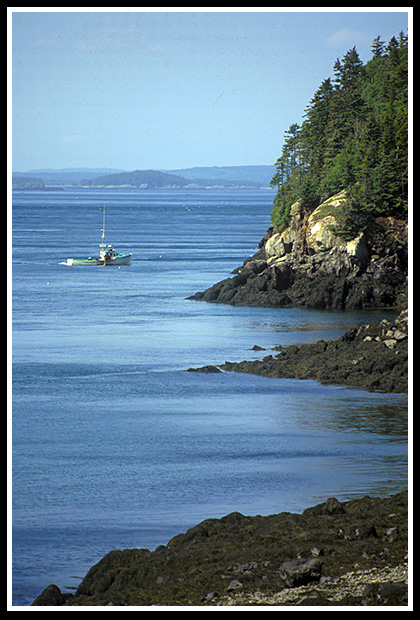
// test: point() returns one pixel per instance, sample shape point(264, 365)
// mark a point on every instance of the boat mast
point(103, 244)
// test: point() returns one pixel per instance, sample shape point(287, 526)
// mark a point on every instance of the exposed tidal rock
point(51, 596)
point(373, 357)
point(300, 572)
point(338, 552)
point(205, 369)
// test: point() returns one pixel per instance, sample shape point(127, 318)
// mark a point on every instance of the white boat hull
point(118, 259)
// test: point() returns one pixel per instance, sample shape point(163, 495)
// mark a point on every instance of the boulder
point(300, 572)
point(234, 585)
point(50, 597)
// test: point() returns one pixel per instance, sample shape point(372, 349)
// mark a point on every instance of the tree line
point(354, 136)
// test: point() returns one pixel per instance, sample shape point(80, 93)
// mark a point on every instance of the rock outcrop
point(335, 553)
point(373, 357)
point(310, 265)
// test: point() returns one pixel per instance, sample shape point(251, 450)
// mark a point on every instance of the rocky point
point(310, 265)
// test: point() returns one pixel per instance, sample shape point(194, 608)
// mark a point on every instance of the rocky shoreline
point(337, 553)
point(373, 357)
point(309, 265)
point(349, 553)
point(352, 553)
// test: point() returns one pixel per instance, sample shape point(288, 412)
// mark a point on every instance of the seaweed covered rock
point(300, 572)
point(280, 559)
point(50, 597)
point(372, 357)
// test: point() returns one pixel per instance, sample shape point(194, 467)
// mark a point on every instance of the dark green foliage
point(138, 178)
point(153, 179)
point(22, 182)
point(354, 137)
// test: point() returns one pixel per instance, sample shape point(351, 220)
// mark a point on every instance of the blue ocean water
point(114, 444)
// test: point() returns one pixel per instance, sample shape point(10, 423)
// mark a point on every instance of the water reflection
point(355, 411)
point(388, 420)
point(282, 320)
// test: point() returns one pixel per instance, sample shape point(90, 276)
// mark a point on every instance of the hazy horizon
point(76, 168)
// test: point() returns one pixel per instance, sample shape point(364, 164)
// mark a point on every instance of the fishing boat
point(107, 254)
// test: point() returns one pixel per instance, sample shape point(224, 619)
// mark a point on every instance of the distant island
point(260, 175)
point(28, 182)
point(194, 178)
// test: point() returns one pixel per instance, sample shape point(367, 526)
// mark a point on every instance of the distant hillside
point(260, 175)
point(27, 182)
point(66, 176)
point(153, 179)
point(150, 179)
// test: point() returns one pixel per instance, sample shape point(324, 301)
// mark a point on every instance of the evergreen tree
point(354, 137)
point(315, 127)
point(378, 48)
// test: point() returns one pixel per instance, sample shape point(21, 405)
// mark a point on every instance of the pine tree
point(315, 127)
point(378, 48)
point(354, 137)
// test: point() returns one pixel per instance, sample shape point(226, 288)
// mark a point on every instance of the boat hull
point(118, 259)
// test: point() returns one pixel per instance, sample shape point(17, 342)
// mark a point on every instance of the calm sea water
point(114, 444)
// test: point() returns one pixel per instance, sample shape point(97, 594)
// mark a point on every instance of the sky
point(167, 89)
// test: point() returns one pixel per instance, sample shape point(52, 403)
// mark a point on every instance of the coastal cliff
point(310, 265)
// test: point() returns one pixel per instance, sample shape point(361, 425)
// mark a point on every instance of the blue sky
point(166, 90)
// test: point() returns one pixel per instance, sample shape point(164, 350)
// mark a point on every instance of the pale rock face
point(317, 236)
point(320, 236)
point(283, 243)
point(321, 224)
point(273, 247)
point(358, 250)
point(278, 245)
